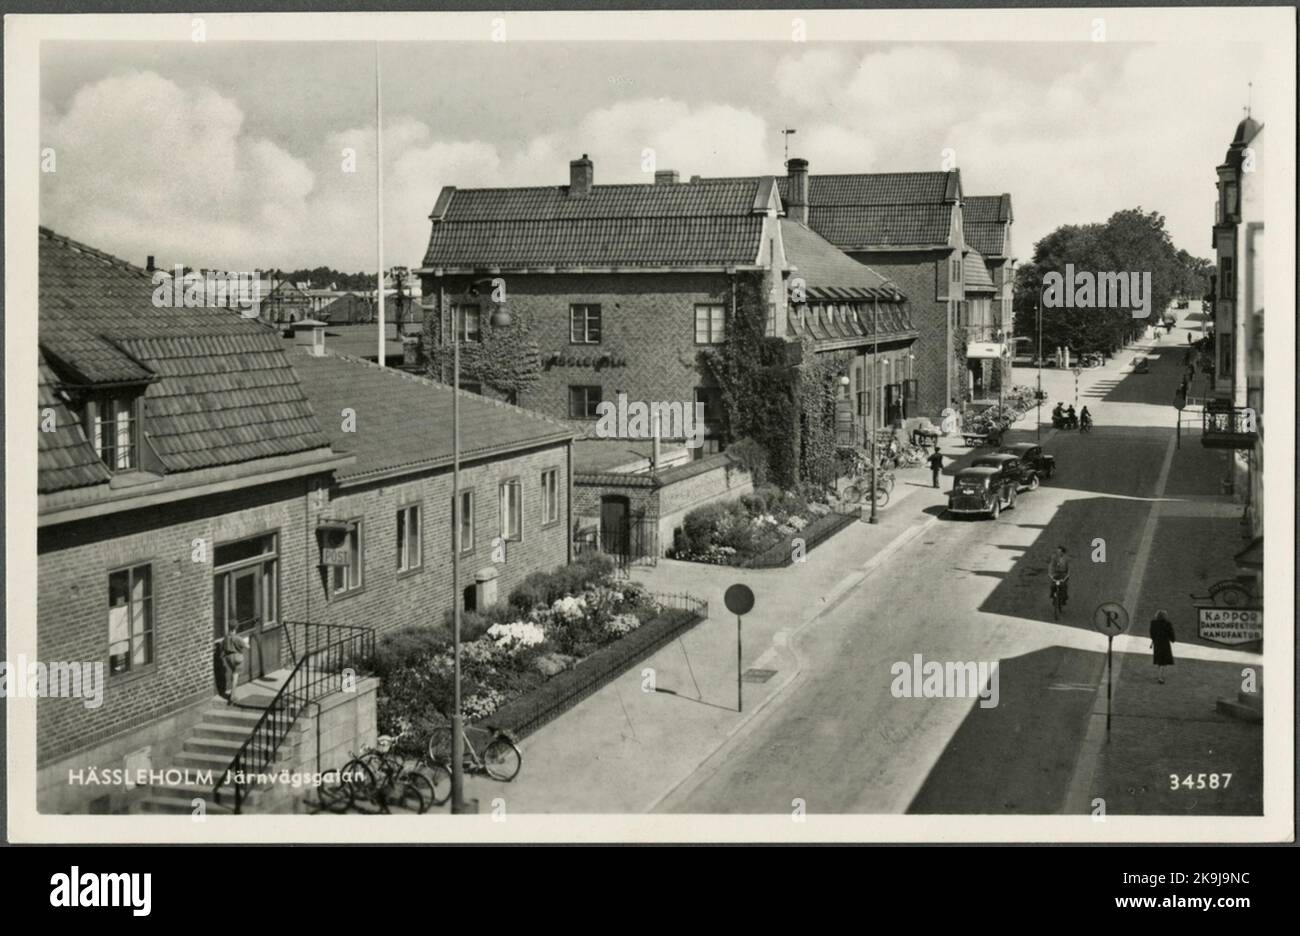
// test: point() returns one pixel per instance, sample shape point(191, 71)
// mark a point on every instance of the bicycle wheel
point(440, 745)
point(409, 796)
point(501, 759)
point(1056, 603)
point(424, 786)
point(333, 794)
point(439, 783)
point(360, 779)
point(888, 482)
point(882, 497)
point(852, 494)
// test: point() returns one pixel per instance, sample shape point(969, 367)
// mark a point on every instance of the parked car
point(1044, 465)
point(981, 491)
point(1012, 467)
point(1140, 366)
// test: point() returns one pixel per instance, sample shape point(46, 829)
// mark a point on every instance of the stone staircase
point(209, 748)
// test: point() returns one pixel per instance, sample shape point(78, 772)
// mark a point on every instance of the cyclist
point(1059, 570)
point(1085, 420)
point(1071, 420)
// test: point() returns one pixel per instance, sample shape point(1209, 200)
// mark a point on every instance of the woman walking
point(1162, 641)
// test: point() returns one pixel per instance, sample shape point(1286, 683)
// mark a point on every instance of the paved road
point(840, 741)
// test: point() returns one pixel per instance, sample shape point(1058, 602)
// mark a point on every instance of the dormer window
point(113, 426)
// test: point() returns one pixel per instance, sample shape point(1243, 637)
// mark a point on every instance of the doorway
point(245, 601)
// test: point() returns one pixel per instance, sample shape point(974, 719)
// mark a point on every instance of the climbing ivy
point(507, 358)
point(789, 411)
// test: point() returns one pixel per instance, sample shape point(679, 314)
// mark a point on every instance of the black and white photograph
point(716, 425)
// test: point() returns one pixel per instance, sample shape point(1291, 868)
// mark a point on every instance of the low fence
point(814, 534)
point(630, 542)
point(563, 691)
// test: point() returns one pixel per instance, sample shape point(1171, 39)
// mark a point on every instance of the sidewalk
point(1159, 731)
point(626, 747)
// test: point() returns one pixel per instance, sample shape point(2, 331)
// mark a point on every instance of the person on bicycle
point(1071, 419)
point(1059, 570)
point(1085, 419)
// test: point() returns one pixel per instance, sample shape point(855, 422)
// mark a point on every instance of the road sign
point(739, 599)
point(1076, 371)
point(1110, 618)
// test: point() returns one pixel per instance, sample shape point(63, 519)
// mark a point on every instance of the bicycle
point(853, 493)
point(1058, 596)
point(496, 755)
point(377, 773)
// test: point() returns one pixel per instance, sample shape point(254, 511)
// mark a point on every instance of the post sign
point(1230, 626)
point(1111, 618)
point(334, 557)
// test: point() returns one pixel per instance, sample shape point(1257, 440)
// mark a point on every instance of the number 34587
point(1201, 781)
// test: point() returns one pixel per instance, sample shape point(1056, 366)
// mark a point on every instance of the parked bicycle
point(382, 776)
point(855, 492)
point(487, 750)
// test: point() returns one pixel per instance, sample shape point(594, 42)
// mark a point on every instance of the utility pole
point(379, 204)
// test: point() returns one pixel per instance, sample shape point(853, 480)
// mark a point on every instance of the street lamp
point(500, 319)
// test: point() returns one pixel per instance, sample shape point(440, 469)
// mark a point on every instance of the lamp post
point(500, 319)
point(1038, 308)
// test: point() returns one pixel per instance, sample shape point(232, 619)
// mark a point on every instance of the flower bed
point(995, 420)
point(551, 622)
point(762, 524)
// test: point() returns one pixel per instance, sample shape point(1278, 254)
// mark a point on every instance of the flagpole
point(379, 203)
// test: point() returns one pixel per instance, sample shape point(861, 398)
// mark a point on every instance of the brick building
point(383, 528)
point(175, 462)
point(623, 286)
point(196, 477)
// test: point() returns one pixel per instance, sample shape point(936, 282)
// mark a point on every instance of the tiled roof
point(404, 422)
point(682, 224)
point(826, 271)
point(867, 189)
point(220, 389)
point(976, 278)
point(845, 326)
point(984, 219)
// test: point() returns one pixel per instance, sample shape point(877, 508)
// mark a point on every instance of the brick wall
point(922, 277)
point(646, 318)
point(74, 561)
point(388, 599)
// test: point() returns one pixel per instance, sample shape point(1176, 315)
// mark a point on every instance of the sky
point(234, 155)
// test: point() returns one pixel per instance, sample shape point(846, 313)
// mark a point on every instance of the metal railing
point(633, 541)
point(330, 651)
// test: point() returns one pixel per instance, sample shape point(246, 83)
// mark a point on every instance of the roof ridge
point(92, 251)
point(478, 398)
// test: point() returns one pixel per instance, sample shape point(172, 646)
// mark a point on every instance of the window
point(347, 578)
point(583, 402)
point(469, 321)
point(511, 510)
point(1225, 278)
point(408, 538)
point(584, 324)
point(130, 619)
point(466, 517)
point(113, 429)
point(550, 496)
point(770, 329)
point(710, 324)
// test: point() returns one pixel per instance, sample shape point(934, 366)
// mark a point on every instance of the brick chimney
point(666, 177)
point(796, 204)
point(581, 176)
point(148, 264)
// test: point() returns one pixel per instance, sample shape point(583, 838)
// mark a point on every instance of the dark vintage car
point(1011, 466)
point(1044, 465)
point(981, 491)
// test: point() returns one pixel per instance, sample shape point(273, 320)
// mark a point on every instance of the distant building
point(989, 321)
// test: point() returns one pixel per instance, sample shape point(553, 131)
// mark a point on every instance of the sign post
point(1180, 400)
point(739, 601)
point(1076, 370)
point(1111, 619)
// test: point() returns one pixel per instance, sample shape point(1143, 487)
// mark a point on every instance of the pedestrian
point(1189, 337)
point(232, 658)
point(936, 466)
point(1162, 641)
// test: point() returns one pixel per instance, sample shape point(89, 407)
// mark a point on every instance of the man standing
point(936, 466)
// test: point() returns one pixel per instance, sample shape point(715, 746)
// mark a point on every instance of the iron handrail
point(317, 673)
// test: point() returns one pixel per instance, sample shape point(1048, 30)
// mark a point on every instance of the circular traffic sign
point(1076, 371)
point(1110, 618)
point(739, 599)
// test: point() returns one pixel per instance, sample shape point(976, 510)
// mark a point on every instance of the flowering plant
point(516, 635)
point(569, 609)
point(621, 624)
